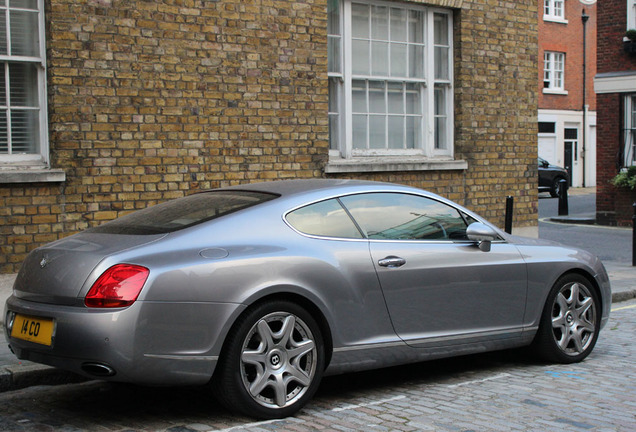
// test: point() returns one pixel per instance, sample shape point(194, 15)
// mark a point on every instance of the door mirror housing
point(482, 234)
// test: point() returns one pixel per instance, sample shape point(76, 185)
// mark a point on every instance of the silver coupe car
point(260, 290)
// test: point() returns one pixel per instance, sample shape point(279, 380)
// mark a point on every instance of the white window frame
point(629, 131)
point(554, 73)
point(631, 14)
point(341, 85)
point(40, 158)
point(554, 10)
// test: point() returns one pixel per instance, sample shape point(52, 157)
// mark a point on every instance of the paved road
point(491, 392)
point(608, 243)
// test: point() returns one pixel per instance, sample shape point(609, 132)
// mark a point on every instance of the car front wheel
point(272, 363)
point(570, 321)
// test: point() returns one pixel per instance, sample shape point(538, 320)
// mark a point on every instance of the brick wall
point(568, 39)
point(151, 100)
point(612, 23)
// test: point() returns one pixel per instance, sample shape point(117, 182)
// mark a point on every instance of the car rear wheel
point(272, 362)
point(570, 322)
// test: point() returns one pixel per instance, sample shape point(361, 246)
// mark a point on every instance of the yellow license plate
point(32, 329)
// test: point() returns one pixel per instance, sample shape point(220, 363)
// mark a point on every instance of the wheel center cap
point(276, 360)
point(569, 318)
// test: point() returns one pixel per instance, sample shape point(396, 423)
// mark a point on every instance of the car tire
point(272, 362)
point(556, 185)
point(570, 321)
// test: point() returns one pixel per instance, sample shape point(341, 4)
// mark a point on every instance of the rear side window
point(325, 219)
point(183, 212)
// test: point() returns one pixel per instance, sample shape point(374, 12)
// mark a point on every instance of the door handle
point(392, 262)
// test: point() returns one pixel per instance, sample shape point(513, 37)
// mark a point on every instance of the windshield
point(183, 212)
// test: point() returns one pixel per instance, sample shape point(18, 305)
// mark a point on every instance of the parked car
point(550, 176)
point(262, 289)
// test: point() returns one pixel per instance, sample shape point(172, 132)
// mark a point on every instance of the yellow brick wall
point(151, 100)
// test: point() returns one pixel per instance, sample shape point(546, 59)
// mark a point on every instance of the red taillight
point(118, 286)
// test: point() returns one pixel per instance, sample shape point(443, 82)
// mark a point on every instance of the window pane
point(398, 60)
point(326, 218)
point(380, 23)
point(360, 61)
point(3, 85)
point(440, 133)
point(333, 51)
point(333, 17)
point(441, 63)
point(396, 100)
point(380, 64)
point(334, 110)
point(441, 138)
point(377, 132)
point(441, 47)
point(24, 131)
point(441, 29)
point(4, 138)
point(413, 132)
point(24, 33)
point(23, 85)
point(359, 131)
point(360, 20)
point(359, 92)
point(377, 102)
point(416, 61)
point(399, 26)
point(413, 105)
point(396, 132)
point(333, 38)
point(416, 27)
point(3, 34)
point(24, 4)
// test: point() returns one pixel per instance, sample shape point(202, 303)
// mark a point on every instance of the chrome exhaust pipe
point(98, 369)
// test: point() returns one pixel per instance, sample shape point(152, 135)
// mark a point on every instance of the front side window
point(553, 67)
point(390, 79)
point(394, 216)
point(553, 9)
point(23, 136)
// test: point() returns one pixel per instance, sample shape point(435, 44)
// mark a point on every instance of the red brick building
point(615, 86)
point(567, 103)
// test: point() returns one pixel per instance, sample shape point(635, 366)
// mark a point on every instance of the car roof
point(288, 188)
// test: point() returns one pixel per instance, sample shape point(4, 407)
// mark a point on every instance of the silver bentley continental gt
point(260, 290)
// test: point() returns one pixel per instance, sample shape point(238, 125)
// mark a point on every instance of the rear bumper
point(151, 343)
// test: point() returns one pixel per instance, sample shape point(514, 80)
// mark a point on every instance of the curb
point(19, 376)
point(574, 220)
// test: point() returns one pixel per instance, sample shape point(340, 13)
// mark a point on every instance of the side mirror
point(482, 234)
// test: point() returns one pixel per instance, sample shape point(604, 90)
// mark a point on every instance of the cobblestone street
point(496, 391)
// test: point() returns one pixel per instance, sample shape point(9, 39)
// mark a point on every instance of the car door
point(440, 289)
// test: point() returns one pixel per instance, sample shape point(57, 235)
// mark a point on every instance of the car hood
point(56, 272)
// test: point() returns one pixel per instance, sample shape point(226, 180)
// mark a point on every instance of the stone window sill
point(391, 164)
point(31, 174)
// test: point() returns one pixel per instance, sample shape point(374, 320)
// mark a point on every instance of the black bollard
point(510, 201)
point(563, 198)
point(634, 236)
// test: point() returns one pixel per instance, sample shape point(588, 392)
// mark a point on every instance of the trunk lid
point(56, 272)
